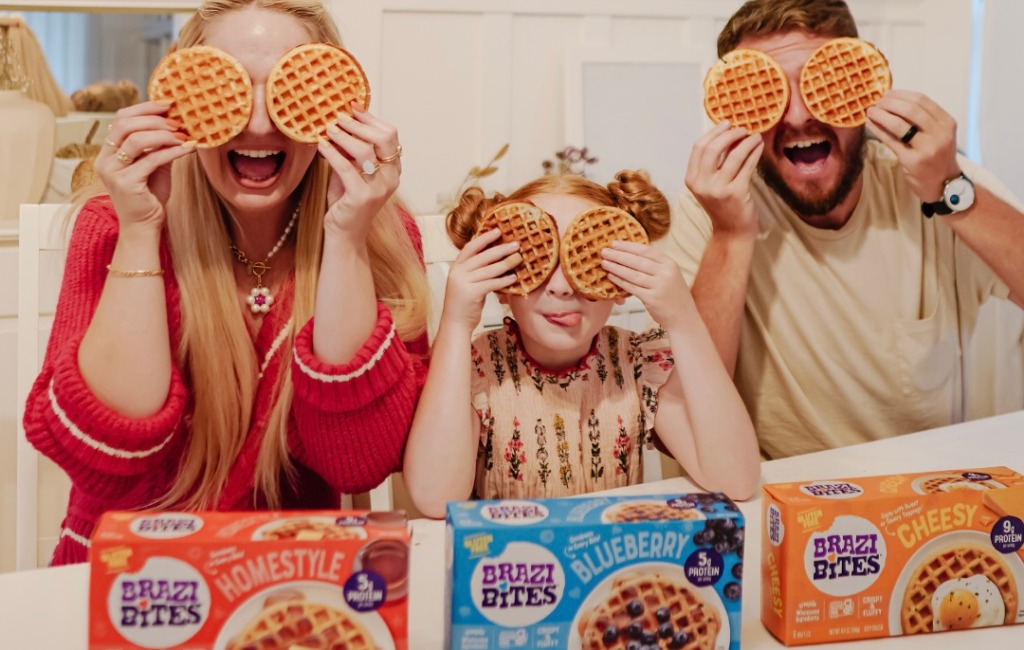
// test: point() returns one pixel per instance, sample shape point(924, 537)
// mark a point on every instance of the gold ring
point(112, 144)
point(370, 167)
point(394, 156)
point(123, 157)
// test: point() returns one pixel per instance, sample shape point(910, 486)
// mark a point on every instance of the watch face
point(959, 194)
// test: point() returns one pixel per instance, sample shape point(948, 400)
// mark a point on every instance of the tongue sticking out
point(254, 168)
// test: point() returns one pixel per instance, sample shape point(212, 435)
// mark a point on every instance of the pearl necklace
point(259, 298)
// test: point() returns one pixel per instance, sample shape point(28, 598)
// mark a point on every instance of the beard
point(815, 200)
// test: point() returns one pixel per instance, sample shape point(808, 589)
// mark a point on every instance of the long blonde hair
point(215, 348)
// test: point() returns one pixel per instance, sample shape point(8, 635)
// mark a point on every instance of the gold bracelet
point(118, 273)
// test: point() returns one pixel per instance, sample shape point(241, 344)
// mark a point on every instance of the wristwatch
point(957, 196)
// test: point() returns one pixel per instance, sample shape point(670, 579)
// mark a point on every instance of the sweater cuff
point(99, 436)
point(378, 364)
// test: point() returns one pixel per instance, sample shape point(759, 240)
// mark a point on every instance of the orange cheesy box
point(248, 581)
point(891, 555)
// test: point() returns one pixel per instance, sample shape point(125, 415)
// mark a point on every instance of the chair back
point(42, 488)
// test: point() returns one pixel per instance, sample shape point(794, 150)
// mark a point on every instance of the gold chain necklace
point(259, 298)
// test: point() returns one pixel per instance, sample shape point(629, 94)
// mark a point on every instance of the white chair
point(40, 266)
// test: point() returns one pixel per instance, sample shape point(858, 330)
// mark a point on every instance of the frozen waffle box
point(884, 556)
point(248, 581)
point(656, 572)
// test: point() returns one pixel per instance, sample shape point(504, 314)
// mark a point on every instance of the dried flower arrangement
point(570, 160)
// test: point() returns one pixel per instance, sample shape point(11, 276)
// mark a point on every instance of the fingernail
point(174, 124)
point(181, 136)
point(163, 103)
point(344, 117)
point(333, 128)
point(357, 106)
point(514, 260)
point(189, 144)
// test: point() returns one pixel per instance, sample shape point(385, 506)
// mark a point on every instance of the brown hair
point(764, 17)
point(631, 191)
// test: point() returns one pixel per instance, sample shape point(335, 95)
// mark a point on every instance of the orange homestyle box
point(241, 581)
point(890, 555)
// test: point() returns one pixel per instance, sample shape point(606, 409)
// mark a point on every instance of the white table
point(47, 608)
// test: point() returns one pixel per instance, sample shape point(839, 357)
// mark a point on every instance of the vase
point(27, 132)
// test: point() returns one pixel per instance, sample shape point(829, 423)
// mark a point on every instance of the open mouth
point(256, 164)
point(808, 155)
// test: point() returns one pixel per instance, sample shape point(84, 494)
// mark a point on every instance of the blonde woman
point(162, 386)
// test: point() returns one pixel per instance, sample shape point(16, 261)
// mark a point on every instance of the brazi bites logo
point(845, 559)
point(832, 490)
point(519, 587)
point(514, 513)
point(163, 605)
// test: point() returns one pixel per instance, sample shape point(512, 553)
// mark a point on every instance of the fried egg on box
point(967, 602)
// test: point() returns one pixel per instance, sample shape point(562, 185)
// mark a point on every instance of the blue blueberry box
point(644, 572)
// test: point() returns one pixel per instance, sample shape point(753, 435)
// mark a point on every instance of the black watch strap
point(936, 207)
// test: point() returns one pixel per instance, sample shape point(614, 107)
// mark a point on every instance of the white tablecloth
point(47, 608)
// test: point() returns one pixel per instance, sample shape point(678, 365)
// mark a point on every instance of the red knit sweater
point(346, 432)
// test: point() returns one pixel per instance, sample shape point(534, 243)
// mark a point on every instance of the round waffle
point(939, 483)
point(295, 622)
point(687, 612)
point(955, 562)
point(537, 235)
point(210, 93)
point(310, 86)
point(581, 246)
point(842, 79)
point(748, 88)
point(648, 511)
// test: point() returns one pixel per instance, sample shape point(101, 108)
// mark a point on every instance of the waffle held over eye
point(209, 91)
point(310, 86)
point(748, 88)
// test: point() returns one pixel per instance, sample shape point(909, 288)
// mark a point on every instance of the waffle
point(842, 79)
point(309, 529)
point(748, 88)
point(647, 511)
point(310, 86)
point(294, 622)
point(537, 235)
point(935, 483)
point(580, 250)
point(949, 564)
point(686, 610)
point(210, 93)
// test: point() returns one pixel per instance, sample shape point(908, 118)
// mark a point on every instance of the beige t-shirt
point(855, 334)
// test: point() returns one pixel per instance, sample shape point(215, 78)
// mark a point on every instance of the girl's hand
point(650, 275)
point(134, 162)
point(361, 183)
point(479, 269)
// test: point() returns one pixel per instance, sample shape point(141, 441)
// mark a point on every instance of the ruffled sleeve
point(652, 365)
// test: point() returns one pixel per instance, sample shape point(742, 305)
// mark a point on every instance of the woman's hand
point(650, 275)
point(719, 172)
point(479, 269)
point(366, 158)
point(134, 162)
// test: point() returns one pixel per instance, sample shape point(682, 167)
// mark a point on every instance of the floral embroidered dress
point(553, 434)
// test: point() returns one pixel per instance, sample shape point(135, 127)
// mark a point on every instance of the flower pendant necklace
point(259, 298)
